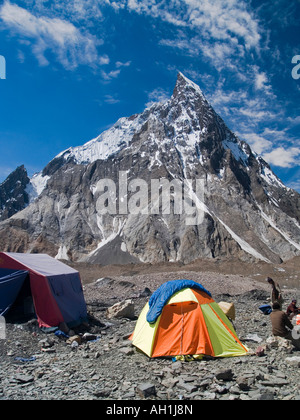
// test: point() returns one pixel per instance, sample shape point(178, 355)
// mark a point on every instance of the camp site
point(71, 333)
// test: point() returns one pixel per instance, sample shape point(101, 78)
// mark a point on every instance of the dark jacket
point(280, 323)
point(292, 309)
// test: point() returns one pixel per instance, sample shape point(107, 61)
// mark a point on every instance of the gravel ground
point(39, 366)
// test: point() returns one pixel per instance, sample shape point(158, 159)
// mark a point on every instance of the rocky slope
point(242, 208)
point(13, 194)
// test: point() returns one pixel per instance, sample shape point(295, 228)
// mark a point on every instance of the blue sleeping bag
point(266, 309)
point(161, 296)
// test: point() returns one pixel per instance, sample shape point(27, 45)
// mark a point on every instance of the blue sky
point(74, 67)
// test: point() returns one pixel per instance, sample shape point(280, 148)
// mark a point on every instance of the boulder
point(123, 309)
point(279, 343)
point(224, 374)
point(228, 309)
point(146, 390)
point(293, 361)
point(75, 338)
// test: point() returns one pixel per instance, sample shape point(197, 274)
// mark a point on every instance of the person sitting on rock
point(282, 326)
point(292, 309)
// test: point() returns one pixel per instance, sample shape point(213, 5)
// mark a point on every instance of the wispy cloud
point(295, 121)
point(258, 142)
point(295, 185)
point(104, 60)
point(230, 37)
point(265, 128)
point(294, 181)
point(221, 29)
point(65, 41)
point(109, 75)
point(111, 99)
point(62, 32)
point(73, 10)
point(157, 95)
point(285, 158)
point(222, 20)
point(273, 146)
point(119, 64)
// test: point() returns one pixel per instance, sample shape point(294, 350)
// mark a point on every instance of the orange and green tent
point(181, 318)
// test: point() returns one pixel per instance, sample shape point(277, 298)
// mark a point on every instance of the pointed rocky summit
point(173, 183)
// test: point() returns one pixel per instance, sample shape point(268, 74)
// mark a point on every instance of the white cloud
point(294, 120)
point(285, 158)
point(219, 53)
point(261, 80)
point(257, 142)
point(157, 95)
point(220, 96)
point(294, 181)
point(218, 19)
point(221, 29)
point(181, 42)
point(53, 37)
point(276, 135)
point(256, 115)
point(74, 10)
point(70, 46)
point(104, 59)
point(275, 146)
point(111, 100)
point(113, 74)
point(224, 20)
point(119, 64)
point(258, 110)
point(295, 185)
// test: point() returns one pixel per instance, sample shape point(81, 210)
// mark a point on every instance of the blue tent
point(55, 288)
point(11, 282)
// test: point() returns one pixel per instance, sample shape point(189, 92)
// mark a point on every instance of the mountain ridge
point(248, 212)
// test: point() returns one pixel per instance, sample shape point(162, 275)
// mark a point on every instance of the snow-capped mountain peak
point(185, 123)
point(121, 133)
point(187, 113)
point(248, 212)
point(184, 84)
